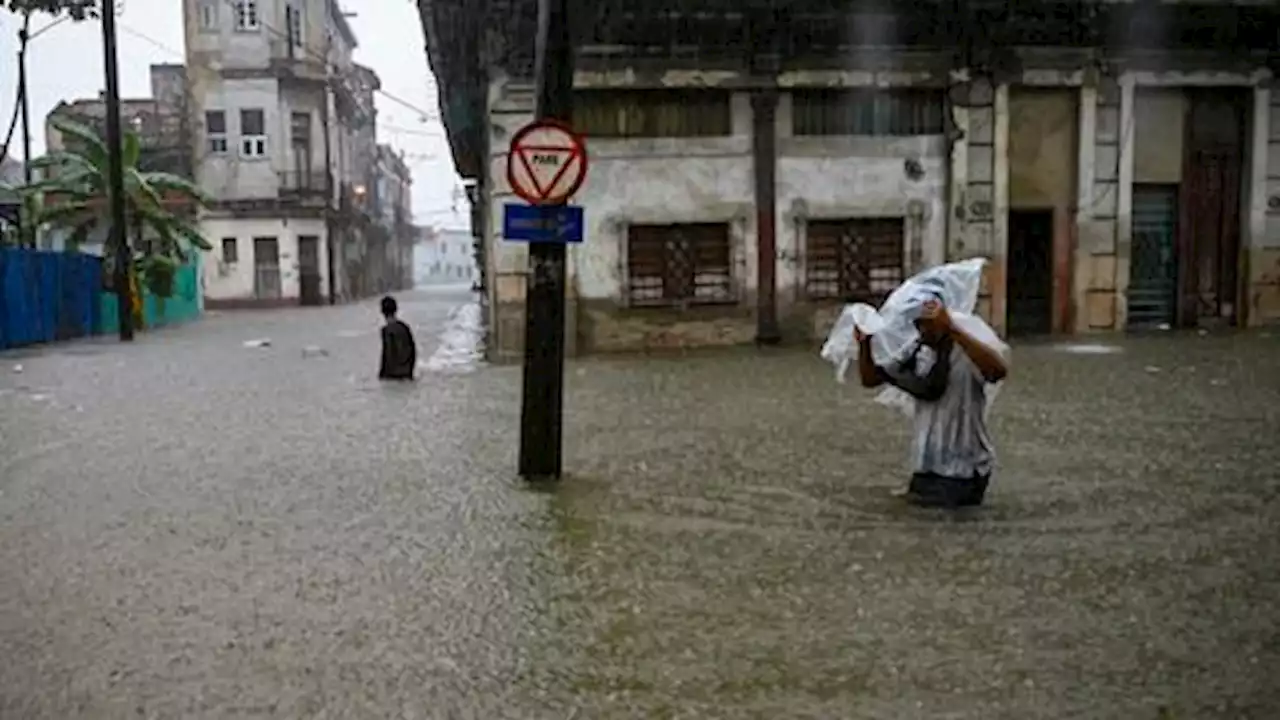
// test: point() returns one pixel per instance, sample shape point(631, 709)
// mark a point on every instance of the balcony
point(303, 185)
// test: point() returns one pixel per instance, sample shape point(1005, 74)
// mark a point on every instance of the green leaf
point(96, 149)
point(177, 184)
point(130, 150)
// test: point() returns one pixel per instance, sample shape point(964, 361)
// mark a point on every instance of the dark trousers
point(934, 490)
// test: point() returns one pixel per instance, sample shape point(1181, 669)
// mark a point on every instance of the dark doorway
point(1209, 227)
point(1030, 276)
point(309, 269)
point(1153, 262)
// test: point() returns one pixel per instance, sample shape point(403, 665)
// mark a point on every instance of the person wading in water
point(952, 456)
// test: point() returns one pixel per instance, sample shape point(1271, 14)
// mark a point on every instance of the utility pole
point(115, 161)
point(23, 38)
point(542, 407)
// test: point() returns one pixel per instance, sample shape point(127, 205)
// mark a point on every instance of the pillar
point(1124, 196)
point(1260, 239)
point(1086, 276)
point(1000, 226)
point(764, 108)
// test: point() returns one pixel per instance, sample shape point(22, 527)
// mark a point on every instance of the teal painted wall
point(185, 305)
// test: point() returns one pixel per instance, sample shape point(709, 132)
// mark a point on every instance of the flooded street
point(194, 528)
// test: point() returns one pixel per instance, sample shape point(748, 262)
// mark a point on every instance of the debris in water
point(259, 343)
point(17, 369)
point(314, 351)
point(1152, 368)
point(1164, 326)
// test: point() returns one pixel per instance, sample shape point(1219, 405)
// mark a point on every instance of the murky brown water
point(191, 528)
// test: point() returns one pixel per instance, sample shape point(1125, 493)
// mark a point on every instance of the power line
point(410, 131)
point(146, 38)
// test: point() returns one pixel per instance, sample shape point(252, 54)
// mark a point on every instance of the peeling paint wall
point(1161, 114)
point(1262, 246)
point(1078, 149)
point(1042, 148)
point(1043, 163)
point(685, 180)
point(836, 178)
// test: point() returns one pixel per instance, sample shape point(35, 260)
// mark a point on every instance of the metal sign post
point(546, 165)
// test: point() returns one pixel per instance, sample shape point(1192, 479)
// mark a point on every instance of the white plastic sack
point(892, 327)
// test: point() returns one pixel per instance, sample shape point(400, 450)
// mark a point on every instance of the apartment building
point(280, 114)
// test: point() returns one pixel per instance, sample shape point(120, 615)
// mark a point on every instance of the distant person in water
point(399, 351)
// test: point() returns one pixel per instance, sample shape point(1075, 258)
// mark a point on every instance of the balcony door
point(300, 142)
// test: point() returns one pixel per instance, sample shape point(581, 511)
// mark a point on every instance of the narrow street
point(195, 528)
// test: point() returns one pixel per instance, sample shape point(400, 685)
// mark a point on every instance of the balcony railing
point(303, 184)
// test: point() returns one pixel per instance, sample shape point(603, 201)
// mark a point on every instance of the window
point(854, 260)
point(868, 112)
point(215, 129)
point(253, 134)
point(246, 14)
point(678, 265)
point(208, 15)
point(652, 113)
point(230, 251)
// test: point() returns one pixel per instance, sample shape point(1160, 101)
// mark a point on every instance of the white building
point(276, 102)
point(444, 256)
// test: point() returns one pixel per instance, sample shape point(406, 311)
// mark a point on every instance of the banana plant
point(77, 195)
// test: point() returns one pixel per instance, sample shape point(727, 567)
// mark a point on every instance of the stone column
point(1260, 239)
point(1087, 274)
point(1124, 199)
point(1096, 287)
point(997, 283)
point(958, 180)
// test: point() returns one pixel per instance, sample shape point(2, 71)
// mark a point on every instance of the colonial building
point(391, 242)
point(754, 165)
point(280, 109)
point(161, 123)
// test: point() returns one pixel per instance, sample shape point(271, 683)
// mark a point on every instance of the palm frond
point(178, 184)
point(130, 149)
point(64, 160)
point(88, 137)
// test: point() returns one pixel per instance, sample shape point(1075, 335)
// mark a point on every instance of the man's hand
point(934, 312)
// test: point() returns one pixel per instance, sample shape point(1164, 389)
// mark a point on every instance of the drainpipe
point(764, 107)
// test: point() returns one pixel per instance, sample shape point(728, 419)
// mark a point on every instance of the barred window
point(856, 260)
point(652, 113)
point(894, 112)
point(679, 265)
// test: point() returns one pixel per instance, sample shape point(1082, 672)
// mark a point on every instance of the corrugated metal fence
point(184, 305)
point(51, 296)
point(47, 296)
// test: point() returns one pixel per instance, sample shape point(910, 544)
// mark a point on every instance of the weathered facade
point(285, 127)
point(754, 165)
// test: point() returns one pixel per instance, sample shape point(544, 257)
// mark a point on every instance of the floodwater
point(194, 528)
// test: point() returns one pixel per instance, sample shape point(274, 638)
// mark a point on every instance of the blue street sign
point(532, 223)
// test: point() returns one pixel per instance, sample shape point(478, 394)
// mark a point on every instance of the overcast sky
point(65, 63)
